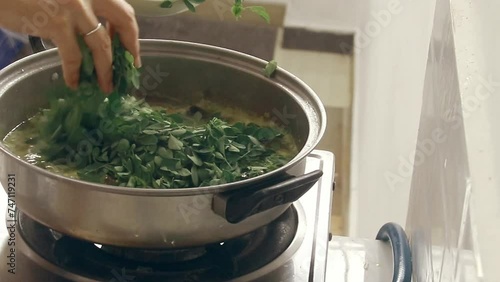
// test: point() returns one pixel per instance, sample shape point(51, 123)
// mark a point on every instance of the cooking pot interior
point(174, 79)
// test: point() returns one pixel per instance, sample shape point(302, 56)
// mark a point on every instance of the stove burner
point(159, 256)
point(211, 263)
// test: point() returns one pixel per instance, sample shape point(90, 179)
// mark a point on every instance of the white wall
point(322, 15)
point(338, 15)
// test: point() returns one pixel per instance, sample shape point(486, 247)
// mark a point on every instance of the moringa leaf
point(270, 68)
point(166, 4)
point(194, 175)
point(147, 140)
point(184, 172)
point(178, 132)
point(174, 143)
point(190, 6)
point(123, 145)
point(261, 11)
point(196, 160)
point(164, 153)
point(237, 9)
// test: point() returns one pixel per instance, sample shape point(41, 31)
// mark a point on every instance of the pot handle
point(236, 206)
point(36, 44)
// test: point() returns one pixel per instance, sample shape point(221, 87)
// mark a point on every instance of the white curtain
point(391, 48)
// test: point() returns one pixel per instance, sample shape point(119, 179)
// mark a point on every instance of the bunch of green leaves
point(123, 141)
point(237, 9)
point(152, 148)
point(72, 113)
point(140, 146)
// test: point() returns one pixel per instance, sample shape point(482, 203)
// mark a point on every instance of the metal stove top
point(304, 260)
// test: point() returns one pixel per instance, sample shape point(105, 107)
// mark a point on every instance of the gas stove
point(292, 248)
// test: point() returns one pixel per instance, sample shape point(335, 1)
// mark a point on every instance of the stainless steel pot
point(174, 218)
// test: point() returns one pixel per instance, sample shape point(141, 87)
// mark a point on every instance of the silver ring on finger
point(99, 25)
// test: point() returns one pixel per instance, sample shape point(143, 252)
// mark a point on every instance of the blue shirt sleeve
point(10, 46)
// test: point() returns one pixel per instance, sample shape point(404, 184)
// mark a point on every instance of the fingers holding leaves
point(99, 44)
point(121, 18)
point(70, 54)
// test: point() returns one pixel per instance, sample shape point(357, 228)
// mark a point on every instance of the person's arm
point(62, 21)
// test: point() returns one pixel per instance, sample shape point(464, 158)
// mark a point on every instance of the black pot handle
point(401, 252)
point(236, 206)
point(37, 44)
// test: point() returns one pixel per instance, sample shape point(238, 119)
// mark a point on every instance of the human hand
point(62, 21)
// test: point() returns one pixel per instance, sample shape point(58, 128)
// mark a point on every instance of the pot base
point(217, 262)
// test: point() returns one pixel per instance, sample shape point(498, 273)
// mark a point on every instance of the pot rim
point(201, 52)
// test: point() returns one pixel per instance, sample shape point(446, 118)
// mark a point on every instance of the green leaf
point(184, 172)
point(150, 132)
point(233, 149)
point(157, 183)
point(196, 160)
point(266, 134)
point(178, 118)
point(119, 168)
point(270, 68)
point(134, 77)
point(190, 6)
point(194, 175)
point(87, 67)
point(158, 160)
point(165, 168)
point(219, 156)
point(123, 145)
point(205, 150)
point(261, 11)
point(228, 176)
point(238, 145)
point(166, 4)
point(178, 132)
point(147, 140)
point(237, 10)
point(205, 174)
point(131, 182)
point(174, 143)
point(164, 153)
point(254, 140)
point(73, 119)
